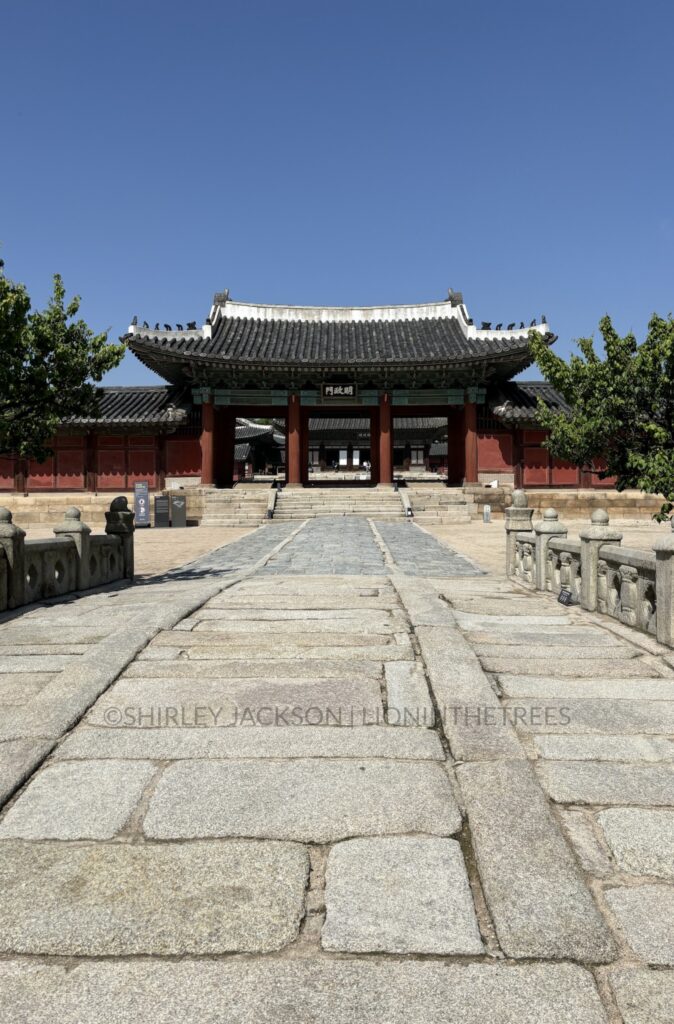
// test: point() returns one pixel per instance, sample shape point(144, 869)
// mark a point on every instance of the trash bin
point(161, 510)
point(178, 510)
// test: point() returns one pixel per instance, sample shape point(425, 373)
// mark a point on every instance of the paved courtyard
point(334, 771)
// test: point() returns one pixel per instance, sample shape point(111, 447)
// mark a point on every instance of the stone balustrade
point(633, 586)
point(75, 559)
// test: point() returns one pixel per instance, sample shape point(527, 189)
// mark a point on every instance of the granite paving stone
point(375, 618)
point(310, 801)
point(417, 553)
point(593, 856)
point(330, 545)
point(641, 839)
point(602, 687)
point(577, 667)
point(422, 605)
point(552, 651)
point(646, 917)
point(307, 741)
point(590, 715)
point(643, 996)
point(399, 895)
point(231, 702)
point(569, 782)
point(170, 643)
point(358, 667)
point(464, 696)
point(586, 747)
point(120, 900)
point(290, 991)
point(540, 640)
point(17, 760)
point(510, 623)
point(408, 700)
point(295, 627)
point(87, 800)
point(539, 902)
point(19, 688)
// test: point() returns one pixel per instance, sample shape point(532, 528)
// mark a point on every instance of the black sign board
point(141, 503)
point(339, 392)
point(161, 510)
point(178, 510)
point(565, 597)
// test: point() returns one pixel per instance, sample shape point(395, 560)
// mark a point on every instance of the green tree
point(49, 366)
point(621, 416)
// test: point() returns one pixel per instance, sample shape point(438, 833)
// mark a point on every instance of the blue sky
point(157, 151)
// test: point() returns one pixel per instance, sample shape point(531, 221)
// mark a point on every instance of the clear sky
point(344, 153)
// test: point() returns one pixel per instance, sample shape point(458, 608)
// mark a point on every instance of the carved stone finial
point(551, 514)
point(120, 504)
point(72, 513)
point(599, 517)
point(5, 515)
point(520, 499)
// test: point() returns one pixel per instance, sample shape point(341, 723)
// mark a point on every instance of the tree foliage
point(50, 363)
point(622, 407)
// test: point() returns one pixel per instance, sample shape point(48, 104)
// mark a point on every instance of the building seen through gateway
point(353, 394)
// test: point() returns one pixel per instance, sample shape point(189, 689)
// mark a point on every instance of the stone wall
point(630, 585)
point(74, 560)
point(570, 502)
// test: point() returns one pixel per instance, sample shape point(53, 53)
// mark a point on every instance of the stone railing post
point(3, 580)
point(119, 522)
point(12, 540)
point(545, 529)
point(599, 532)
point(664, 588)
point(72, 526)
point(517, 520)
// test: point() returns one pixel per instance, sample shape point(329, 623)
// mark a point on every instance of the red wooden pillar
point(470, 442)
point(206, 441)
point(21, 476)
point(294, 443)
point(304, 445)
point(385, 439)
point(518, 458)
point(90, 461)
point(374, 446)
point(224, 433)
point(160, 456)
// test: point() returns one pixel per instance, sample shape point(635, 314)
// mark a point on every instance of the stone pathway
point(409, 793)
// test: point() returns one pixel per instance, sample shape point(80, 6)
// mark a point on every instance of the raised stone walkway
point(334, 772)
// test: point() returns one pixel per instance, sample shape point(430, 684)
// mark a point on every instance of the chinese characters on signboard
point(338, 390)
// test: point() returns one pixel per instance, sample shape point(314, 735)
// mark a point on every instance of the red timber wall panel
point(540, 469)
point(494, 452)
point(111, 463)
point(70, 462)
point(121, 461)
point(41, 475)
point(7, 474)
point(564, 474)
point(141, 462)
point(183, 456)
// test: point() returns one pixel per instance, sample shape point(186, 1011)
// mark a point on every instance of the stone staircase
point(437, 505)
point(240, 506)
point(309, 502)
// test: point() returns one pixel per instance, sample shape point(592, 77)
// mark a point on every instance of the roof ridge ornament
point(454, 298)
point(221, 298)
